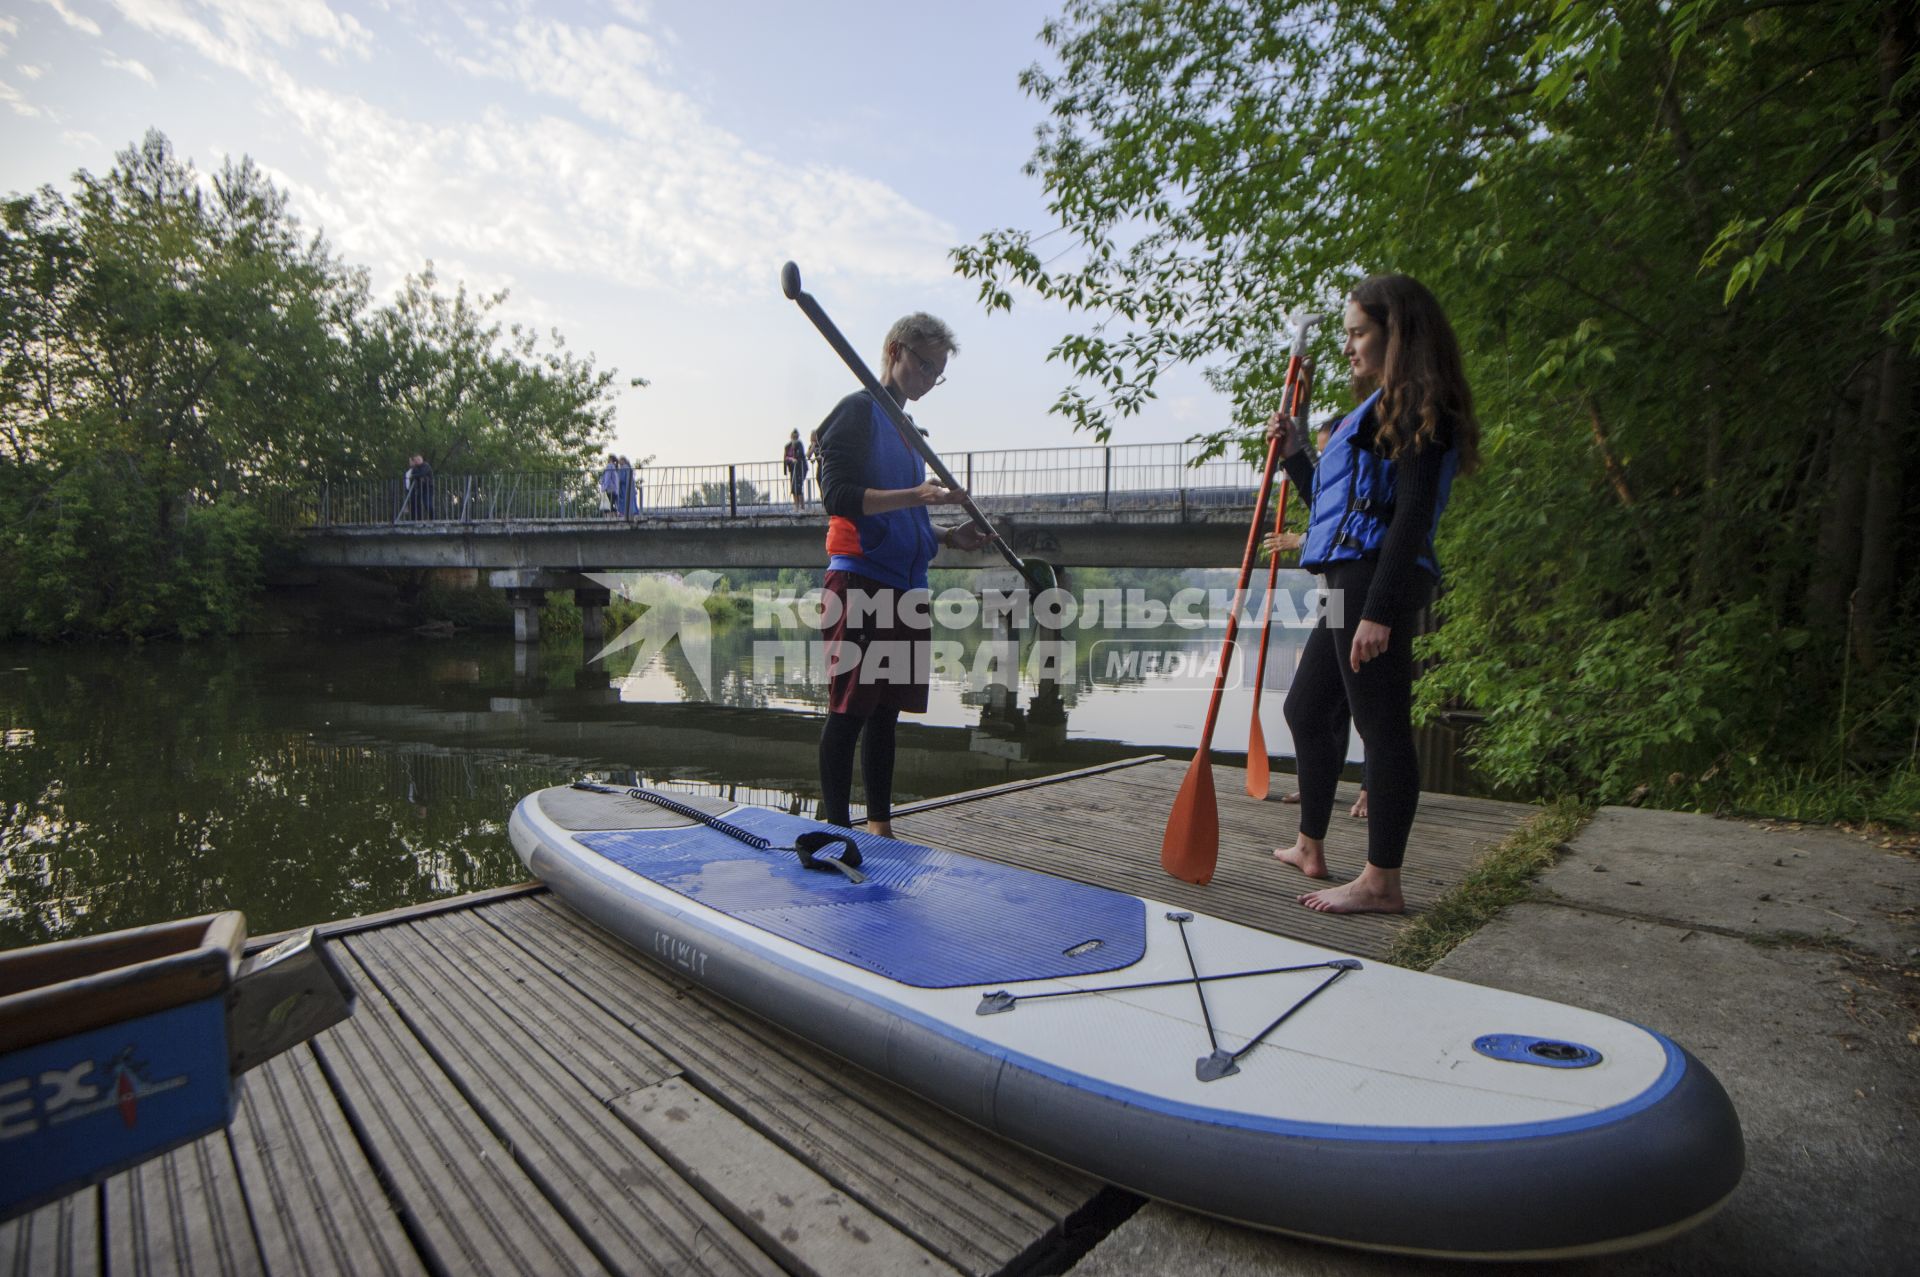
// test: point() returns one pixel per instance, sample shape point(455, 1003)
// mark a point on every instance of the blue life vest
point(1353, 498)
point(893, 548)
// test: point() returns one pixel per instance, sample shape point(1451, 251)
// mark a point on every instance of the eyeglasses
point(925, 364)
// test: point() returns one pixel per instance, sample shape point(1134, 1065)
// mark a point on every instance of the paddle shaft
point(1246, 560)
point(898, 417)
point(1299, 397)
point(1239, 598)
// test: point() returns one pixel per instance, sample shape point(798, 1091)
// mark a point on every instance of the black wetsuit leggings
point(875, 735)
point(1380, 698)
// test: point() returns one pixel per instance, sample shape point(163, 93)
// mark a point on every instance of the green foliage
point(1676, 241)
point(435, 375)
point(81, 557)
point(715, 494)
point(177, 356)
point(471, 607)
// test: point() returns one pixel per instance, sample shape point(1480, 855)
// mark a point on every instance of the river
point(303, 779)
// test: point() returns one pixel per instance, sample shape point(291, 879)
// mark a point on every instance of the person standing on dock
point(1378, 493)
point(1288, 543)
point(880, 540)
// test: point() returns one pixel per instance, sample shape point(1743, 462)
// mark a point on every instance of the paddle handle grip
point(790, 285)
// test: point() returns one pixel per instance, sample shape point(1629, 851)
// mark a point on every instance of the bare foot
point(882, 827)
point(1374, 891)
point(1359, 808)
point(1307, 855)
point(1291, 799)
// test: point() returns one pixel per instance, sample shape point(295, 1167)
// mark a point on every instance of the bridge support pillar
point(526, 613)
point(593, 602)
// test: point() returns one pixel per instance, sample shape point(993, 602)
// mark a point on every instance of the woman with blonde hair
point(880, 540)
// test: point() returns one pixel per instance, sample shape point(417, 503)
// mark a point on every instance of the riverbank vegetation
point(180, 358)
point(1677, 241)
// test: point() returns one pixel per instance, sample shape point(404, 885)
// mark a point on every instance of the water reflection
point(303, 779)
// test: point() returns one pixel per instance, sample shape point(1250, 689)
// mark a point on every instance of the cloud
point(11, 97)
point(77, 21)
point(131, 66)
point(675, 194)
point(581, 159)
point(31, 72)
point(246, 27)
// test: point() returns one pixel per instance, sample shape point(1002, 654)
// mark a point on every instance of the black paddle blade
point(790, 280)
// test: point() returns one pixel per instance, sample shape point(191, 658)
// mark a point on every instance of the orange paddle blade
point(1258, 771)
point(1192, 842)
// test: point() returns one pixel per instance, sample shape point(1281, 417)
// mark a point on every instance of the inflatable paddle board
point(1189, 1059)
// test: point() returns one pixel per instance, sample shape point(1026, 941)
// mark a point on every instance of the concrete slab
point(1745, 877)
point(1819, 1047)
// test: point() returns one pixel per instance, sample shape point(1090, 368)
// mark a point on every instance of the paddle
point(1038, 573)
point(1299, 395)
point(1191, 844)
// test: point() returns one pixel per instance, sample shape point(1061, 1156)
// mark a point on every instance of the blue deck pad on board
point(924, 917)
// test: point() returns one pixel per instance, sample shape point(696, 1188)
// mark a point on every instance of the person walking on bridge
point(1378, 492)
point(880, 540)
point(794, 458)
point(419, 488)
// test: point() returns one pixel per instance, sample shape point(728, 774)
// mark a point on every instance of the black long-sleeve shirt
point(1416, 488)
point(845, 439)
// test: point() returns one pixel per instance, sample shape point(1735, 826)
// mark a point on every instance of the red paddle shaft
point(1191, 845)
point(1298, 401)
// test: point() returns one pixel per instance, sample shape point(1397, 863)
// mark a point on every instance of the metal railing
point(1121, 477)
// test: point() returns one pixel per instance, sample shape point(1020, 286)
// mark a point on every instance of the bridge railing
point(1120, 477)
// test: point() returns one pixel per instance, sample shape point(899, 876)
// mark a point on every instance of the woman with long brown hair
point(1378, 492)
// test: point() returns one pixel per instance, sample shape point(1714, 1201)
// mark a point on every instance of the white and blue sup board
point(1196, 1061)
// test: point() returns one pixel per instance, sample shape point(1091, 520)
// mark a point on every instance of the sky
point(634, 172)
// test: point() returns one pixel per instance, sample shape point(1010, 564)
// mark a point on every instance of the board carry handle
point(807, 846)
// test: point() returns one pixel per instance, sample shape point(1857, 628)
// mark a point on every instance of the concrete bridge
point(1127, 505)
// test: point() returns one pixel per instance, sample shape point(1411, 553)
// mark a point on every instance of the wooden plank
point(468, 1206)
point(801, 1219)
point(182, 1212)
point(317, 1205)
point(603, 1056)
point(635, 1212)
point(405, 913)
point(61, 1239)
point(974, 1199)
point(1022, 786)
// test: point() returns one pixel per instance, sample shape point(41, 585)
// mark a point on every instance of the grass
point(1829, 796)
point(1503, 878)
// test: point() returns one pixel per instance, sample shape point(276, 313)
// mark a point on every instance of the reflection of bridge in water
point(471, 732)
point(493, 727)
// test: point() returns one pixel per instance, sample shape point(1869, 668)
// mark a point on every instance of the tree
point(717, 493)
point(1618, 204)
point(176, 353)
point(436, 375)
point(172, 346)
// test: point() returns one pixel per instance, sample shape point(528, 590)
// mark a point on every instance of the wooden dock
point(520, 1093)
